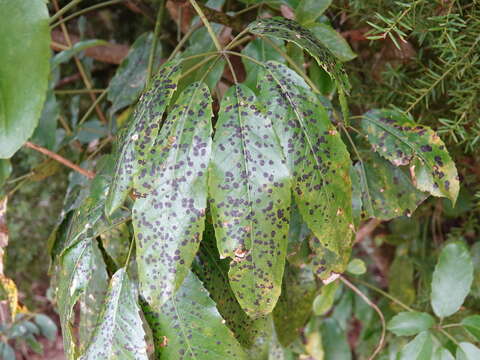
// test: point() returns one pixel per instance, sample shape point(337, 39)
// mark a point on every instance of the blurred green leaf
point(324, 301)
point(66, 55)
point(47, 327)
point(356, 267)
point(467, 351)
point(410, 323)
point(5, 170)
point(308, 11)
point(46, 132)
point(334, 341)
point(420, 348)
point(335, 42)
point(130, 78)
point(452, 279)
point(400, 280)
point(472, 324)
point(24, 70)
point(442, 354)
point(6, 352)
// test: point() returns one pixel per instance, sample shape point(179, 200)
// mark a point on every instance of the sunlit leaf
point(451, 279)
point(24, 70)
point(467, 351)
point(318, 161)
point(188, 326)
point(250, 198)
point(119, 333)
point(398, 139)
point(134, 146)
point(169, 213)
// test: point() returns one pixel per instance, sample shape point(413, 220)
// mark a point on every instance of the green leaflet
point(119, 334)
point(291, 31)
point(388, 191)
point(76, 266)
point(169, 214)
point(250, 200)
point(295, 304)
point(138, 138)
point(318, 161)
point(66, 55)
point(213, 272)
point(398, 139)
point(24, 70)
point(188, 326)
point(130, 77)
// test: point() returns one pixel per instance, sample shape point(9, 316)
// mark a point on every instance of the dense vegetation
point(246, 179)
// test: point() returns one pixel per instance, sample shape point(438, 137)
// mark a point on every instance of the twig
point(207, 24)
point(153, 50)
point(367, 229)
point(374, 307)
point(63, 10)
point(60, 159)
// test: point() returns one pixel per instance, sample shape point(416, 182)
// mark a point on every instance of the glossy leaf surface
point(250, 200)
point(318, 161)
point(169, 213)
point(452, 279)
point(139, 137)
point(190, 326)
point(24, 70)
point(119, 334)
point(398, 139)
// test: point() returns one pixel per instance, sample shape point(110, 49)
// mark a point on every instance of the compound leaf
point(169, 212)
point(250, 200)
point(24, 70)
point(318, 161)
point(119, 334)
point(398, 139)
point(190, 326)
point(139, 137)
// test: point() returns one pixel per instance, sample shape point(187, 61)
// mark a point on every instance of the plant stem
point(156, 32)
point(374, 307)
point(78, 91)
point(60, 159)
point(207, 24)
point(183, 41)
point(63, 10)
point(92, 107)
point(84, 11)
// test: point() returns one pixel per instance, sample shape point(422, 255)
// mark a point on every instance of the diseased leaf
point(472, 324)
point(188, 326)
point(24, 70)
point(308, 11)
point(289, 30)
point(139, 137)
point(295, 304)
point(398, 139)
point(130, 77)
point(250, 200)
point(263, 52)
point(116, 243)
point(420, 348)
point(169, 213)
point(451, 279)
point(410, 323)
point(119, 333)
point(333, 41)
point(298, 234)
point(213, 272)
point(467, 351)
point(318, 161)
point(388, 191)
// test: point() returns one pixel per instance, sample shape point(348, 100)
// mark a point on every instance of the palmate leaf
point(250, 200)
point(140, 135)
point(388, 191)
point(188, 326)
point(213, 272)
point(169, 213)
point(289, 30)
point(119, 334)
point(318, 161)
point(398, 139)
